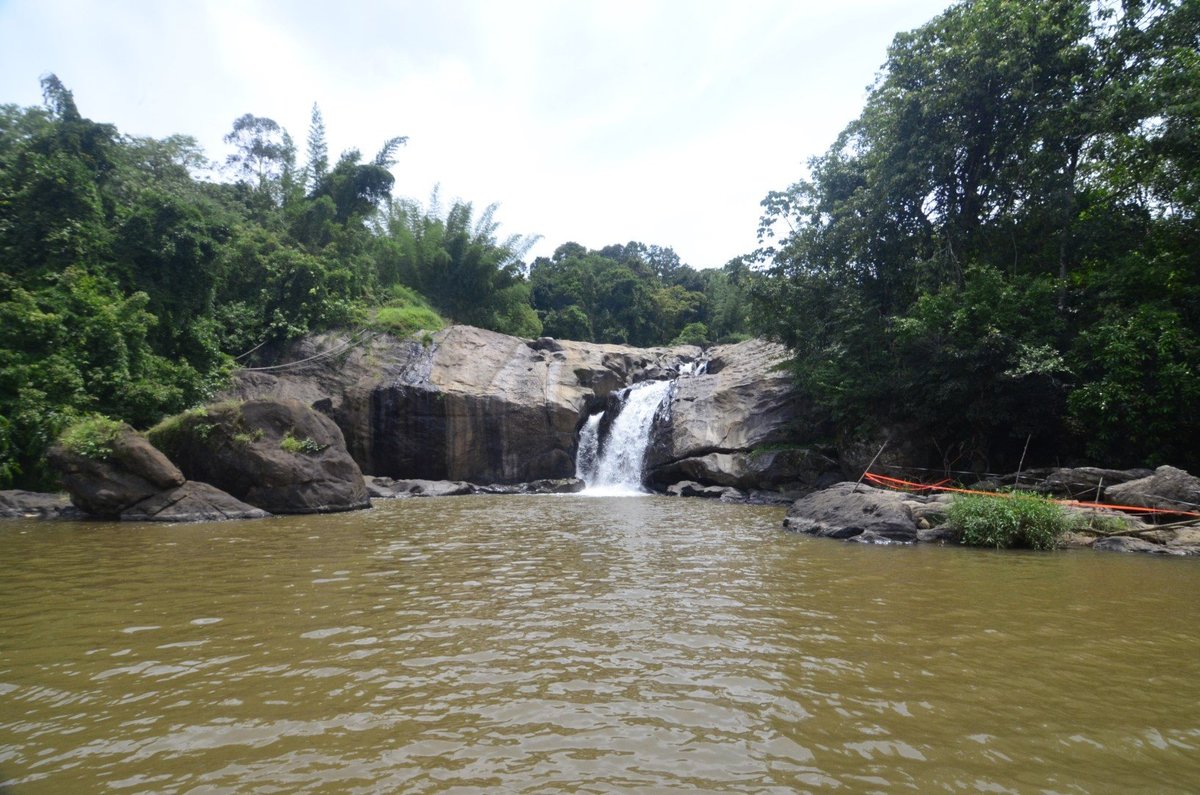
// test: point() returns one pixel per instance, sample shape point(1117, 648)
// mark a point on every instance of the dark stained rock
point(1168, 488)
point(545, 486)
point(846, 510)
point(192, 502)
point(387, 488)
point(1130, 544)
point(469, 405)
point(755, 469)
point(939, 534)
point(277, 455)
point(133, 471)
point(17, 504)
point(1085, 483)
point(688, 488)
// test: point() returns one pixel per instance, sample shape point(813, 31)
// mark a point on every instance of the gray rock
point(721, 419)
point(846, 510)
point(105, 487)
point(1130, 544)
point(939, 534)
point(689, 488)
point(1168, 488)
point(1083, 483)
point(545, 486)
point(472, 405)
point(415, 487)
point(277, 455)
point(18, 504)
point(191, 502)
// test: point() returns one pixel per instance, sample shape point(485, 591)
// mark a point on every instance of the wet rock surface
point(846, 510)
point(191, 502)
point(19, 504)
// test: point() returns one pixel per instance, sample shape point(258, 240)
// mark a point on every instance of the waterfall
point(615, 466)
point(589, 449)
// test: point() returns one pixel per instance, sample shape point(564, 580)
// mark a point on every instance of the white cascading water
point(618, 469)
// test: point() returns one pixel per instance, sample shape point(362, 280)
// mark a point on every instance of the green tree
point(953, 254)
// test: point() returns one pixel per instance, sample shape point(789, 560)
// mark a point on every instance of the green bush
point(298, 446)
point(404, 320)
point(1008, 520)
point(692, 334)
point(92, 437)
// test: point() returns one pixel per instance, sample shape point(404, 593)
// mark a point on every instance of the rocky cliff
point(473, 405)
point(738, 424)
point(467, 404)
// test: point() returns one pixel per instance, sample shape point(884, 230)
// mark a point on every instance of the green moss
point(405, 313)
point(1008, 520)
point(299, 446)
point(92, 437)
point(404, 320)
point(165, 433)
point(245, 439)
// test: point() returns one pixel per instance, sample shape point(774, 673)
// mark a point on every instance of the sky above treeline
point(593, 121)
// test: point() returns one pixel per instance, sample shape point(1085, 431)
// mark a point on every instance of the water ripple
point(594, 645)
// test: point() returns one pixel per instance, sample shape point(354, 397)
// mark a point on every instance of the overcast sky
point(664, 121)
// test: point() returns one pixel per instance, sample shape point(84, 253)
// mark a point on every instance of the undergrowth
point(404, 313)
point(92, 437)
point(1008, 520)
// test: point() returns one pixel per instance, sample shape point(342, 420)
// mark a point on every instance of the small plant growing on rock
point(300, 446)
point(92, 437)
point(1008, 520)
point(248, 437)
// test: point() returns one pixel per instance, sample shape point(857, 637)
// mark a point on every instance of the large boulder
point(847, 510)
point(192, 502)
point(277, 455)
point(1168, 489)
point(463, 404)
point(728, 424)
point(126, 470)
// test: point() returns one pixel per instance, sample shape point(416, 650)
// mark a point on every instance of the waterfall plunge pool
point(556, 643)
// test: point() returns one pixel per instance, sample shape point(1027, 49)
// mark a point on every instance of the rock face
point(277, 455)
point(723, 423)
point(1168, 488)
point(472, 405)
point(18, 504)
point(847, 510)
point(105, 487)
point(191, 502)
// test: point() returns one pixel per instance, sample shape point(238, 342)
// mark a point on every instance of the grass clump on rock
point(300, 445)
point(92, 437)
point(1008, 520)
point(407, 312)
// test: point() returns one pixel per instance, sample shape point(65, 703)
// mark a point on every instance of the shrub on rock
point(278, 455)
point(108, 467)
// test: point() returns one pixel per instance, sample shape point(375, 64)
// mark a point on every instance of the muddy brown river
point(583, 644)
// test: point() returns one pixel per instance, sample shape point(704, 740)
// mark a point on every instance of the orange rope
point(908, 485)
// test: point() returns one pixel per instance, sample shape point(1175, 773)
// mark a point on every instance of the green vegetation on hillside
point(130, 287)
point(1004, 246)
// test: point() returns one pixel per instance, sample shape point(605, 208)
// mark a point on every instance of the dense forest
point(132, 285)
point(1002, 250)
point(1004, 246)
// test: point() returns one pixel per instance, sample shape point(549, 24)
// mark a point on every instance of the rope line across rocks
point(907, 485)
